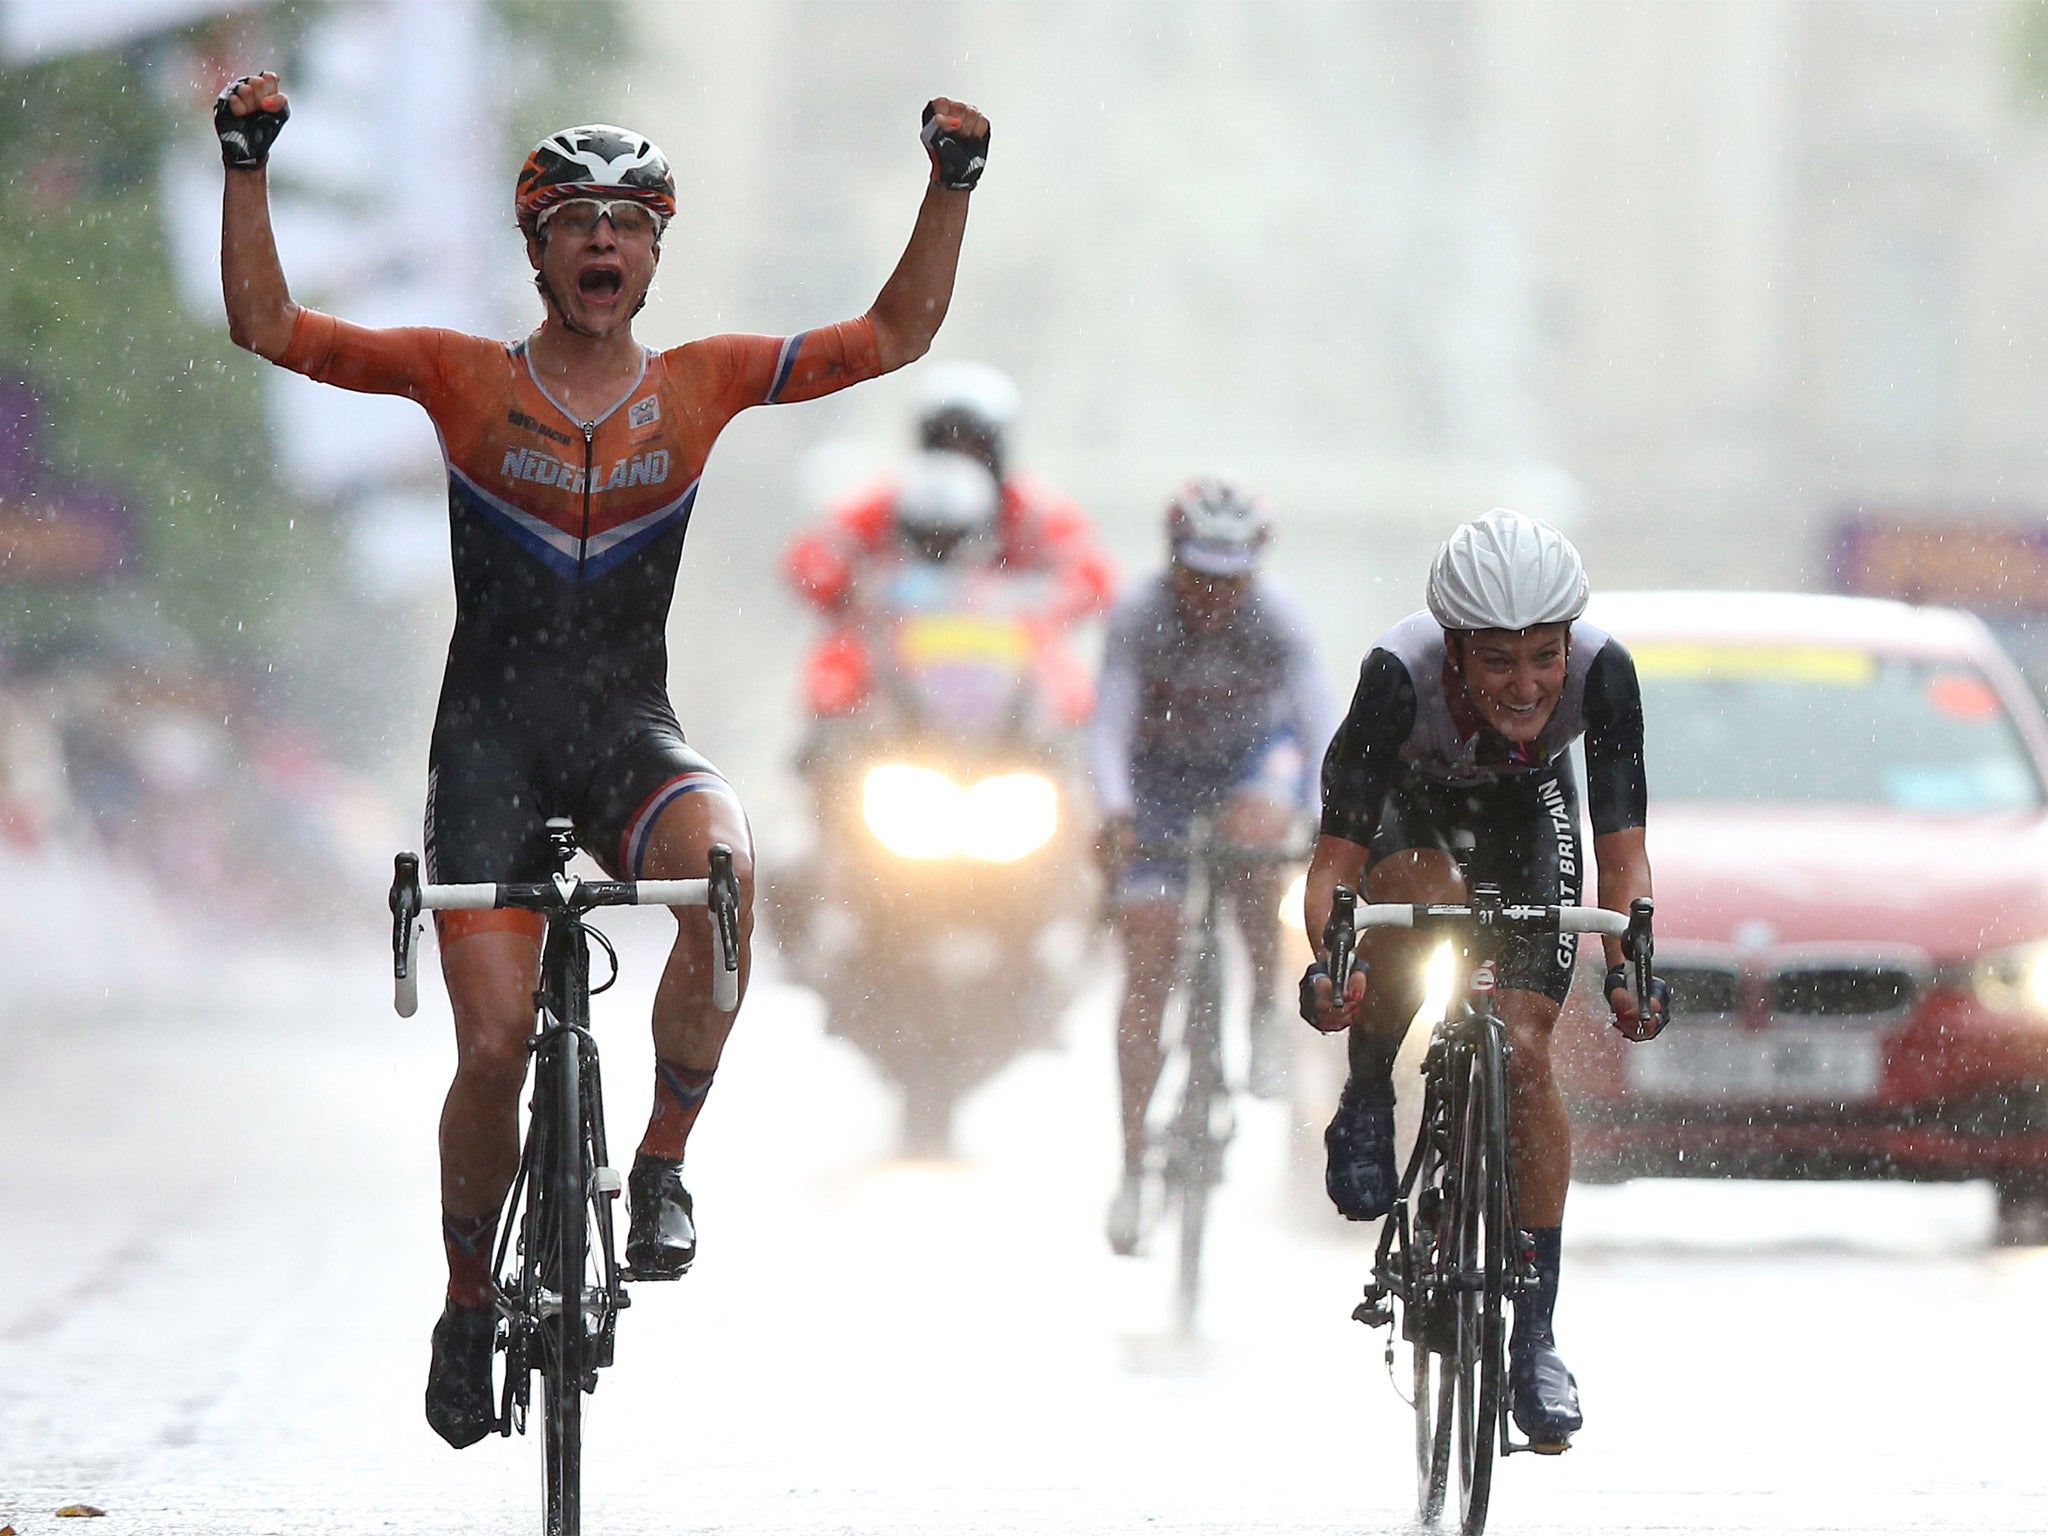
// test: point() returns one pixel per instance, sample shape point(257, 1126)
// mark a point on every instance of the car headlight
point(2013, 980)
point(920, 813)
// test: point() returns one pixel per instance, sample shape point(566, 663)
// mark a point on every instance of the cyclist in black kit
point(1462, 722)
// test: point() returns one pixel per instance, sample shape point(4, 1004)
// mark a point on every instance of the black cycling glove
point(245, 141)
point(1618, 978)
point(956, 162)
point(1308, 990)
point(1309, 977)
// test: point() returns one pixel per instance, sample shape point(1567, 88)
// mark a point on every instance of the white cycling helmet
point(969, 397)
point(947, 495)
point(1506, 570)
point(1217, 527)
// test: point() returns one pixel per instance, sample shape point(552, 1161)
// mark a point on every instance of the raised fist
point(247, 117)
point(956, 138)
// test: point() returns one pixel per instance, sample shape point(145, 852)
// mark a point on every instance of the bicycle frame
point(1200, 1132)
point(1197, 1136)
point(1452, 1252)
point(560, 1287)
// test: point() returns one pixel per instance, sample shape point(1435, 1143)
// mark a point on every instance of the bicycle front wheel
point(565, 1340)
point(1484, 1244)
point(1429, 1257)
point(1194, 1221)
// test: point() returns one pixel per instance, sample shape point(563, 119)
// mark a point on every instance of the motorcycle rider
point(1462, 723)
point(944, 509)
point(1211, 701)
point(967, 408)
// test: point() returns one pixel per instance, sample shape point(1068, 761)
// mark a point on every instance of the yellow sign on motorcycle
point(936, 639)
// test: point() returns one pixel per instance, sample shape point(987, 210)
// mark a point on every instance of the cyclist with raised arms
point(1462, 724)
point(573, 461)
point(1211, 702)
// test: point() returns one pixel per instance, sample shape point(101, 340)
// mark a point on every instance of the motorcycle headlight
point(911, 810)
point(919, 813)
point(1008, 817)
point(2014, 980)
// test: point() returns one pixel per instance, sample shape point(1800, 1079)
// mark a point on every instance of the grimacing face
point(600, 278)
point(1513, 677)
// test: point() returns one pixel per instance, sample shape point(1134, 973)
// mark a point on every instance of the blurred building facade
point(1703, 275)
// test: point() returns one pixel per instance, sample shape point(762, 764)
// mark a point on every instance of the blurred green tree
point(142, 396)
point(139, 395)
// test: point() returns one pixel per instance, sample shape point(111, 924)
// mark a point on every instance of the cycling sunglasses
point(577, 218)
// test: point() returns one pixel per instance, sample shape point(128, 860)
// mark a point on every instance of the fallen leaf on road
point(70, 1510)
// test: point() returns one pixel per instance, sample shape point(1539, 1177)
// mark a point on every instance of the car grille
point(1703, 989)
point(1850, 990)
point(1843, 992)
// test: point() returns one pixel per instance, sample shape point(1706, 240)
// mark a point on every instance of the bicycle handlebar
point(1510, 919)
point(564, 894)
point(1633, 928)
point(487, 897)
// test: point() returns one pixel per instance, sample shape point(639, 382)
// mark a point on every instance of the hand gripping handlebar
point(566, 893)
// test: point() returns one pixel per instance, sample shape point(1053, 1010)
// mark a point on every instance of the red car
point(1849, 833)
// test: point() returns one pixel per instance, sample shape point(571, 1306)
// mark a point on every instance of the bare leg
point(687, 1029)
point(1256, 820)
point(1148, 930)
point(1398, 960)
point(491, 976)
point(1539, 1129)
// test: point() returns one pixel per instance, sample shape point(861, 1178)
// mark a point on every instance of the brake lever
point(405, 915)
point(723, 901)
point(1640, 945)
point(1340, 940)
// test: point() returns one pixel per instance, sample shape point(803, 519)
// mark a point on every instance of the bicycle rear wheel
point(565, 1173)
point(1483, 1244)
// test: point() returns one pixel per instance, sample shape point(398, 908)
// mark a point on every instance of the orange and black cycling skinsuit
point(566, 537)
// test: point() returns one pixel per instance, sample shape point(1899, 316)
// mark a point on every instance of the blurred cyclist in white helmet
point(1211, 703)
point(1040, 536)
point(1461, 725)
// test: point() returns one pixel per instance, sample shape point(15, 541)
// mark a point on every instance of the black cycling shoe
point(1360, 1174)
point(459, 1405)
point(1543, 1395)
point(661, 1242)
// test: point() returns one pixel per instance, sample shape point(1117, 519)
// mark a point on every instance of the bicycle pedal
point(1374, 1314)
point(628, 1272)
point(607, 1182)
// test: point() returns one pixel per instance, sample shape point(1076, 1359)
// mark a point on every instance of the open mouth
point(600, 283)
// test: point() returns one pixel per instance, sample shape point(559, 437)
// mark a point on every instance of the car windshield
point(1778, 723)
